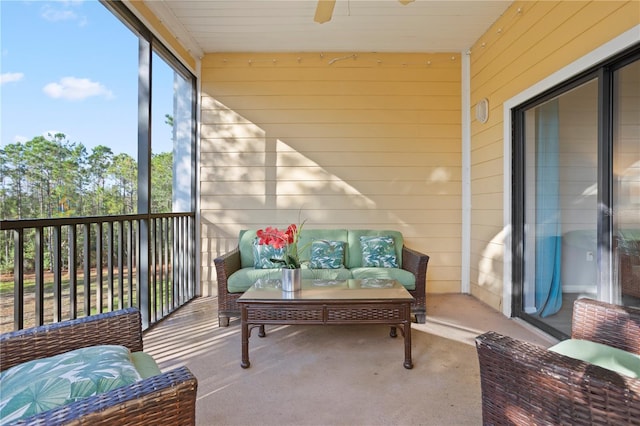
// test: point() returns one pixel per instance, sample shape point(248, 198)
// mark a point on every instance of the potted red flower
point(282, 238)
point(287, 239)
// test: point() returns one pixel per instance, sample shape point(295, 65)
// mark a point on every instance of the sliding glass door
point(577, 196)
point(626, 185)
point(560, 221)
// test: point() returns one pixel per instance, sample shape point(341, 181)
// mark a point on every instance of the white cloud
point(10, 77)
point(63, 11)
point(55, 15)
point(75, 89)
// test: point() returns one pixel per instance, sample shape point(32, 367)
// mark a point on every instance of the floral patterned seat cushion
point(378, 252)
point(327, 254)
point(43, 384)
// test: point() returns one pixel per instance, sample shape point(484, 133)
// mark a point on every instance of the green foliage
point(53, 177)
point(161, 182)
point(48, 177)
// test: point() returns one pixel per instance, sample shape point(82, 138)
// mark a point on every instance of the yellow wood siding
point(364, 141)
point(528, 43)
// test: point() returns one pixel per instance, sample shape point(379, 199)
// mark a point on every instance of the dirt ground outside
point(29, 305)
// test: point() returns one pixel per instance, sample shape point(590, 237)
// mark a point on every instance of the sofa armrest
point(121, 327)
point(168, 398)
point(416, 263)
point(526, 384)
point(226, 265)
point(612, 325)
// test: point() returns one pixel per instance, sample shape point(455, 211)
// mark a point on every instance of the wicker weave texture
point(370, 313)
point(613, 325)
point(168, 398)
point(285, 314)
point(326, 314)
point(524, 384)
point(122, 328)
point(225, 266)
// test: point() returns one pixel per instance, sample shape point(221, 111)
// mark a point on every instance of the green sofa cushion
point(354, 250)
point(325, 274)
point(406, 278)
point(613, 359)
point(245, 244)
point(145, 364)
point(241, 280)
point(43, 384)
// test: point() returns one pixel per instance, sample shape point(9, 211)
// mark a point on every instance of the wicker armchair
point(168, 398)
point(524, 384)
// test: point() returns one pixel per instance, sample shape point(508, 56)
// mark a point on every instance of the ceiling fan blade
point(324, 11)
point(406, 2)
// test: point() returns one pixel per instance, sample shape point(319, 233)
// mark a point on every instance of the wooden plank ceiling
point(208, 26)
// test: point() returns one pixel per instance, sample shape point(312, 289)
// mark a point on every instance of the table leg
point(408, 363)
point(245, 341)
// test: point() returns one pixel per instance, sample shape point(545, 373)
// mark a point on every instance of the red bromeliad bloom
point(292, 230)
point(275, 237)
point(282, 238)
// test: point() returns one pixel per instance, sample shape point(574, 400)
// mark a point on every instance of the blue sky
point(71, 67)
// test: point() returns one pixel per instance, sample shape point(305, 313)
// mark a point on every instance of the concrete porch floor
point(335, 375)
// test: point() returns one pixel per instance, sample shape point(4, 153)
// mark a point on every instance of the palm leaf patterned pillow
point(327, 254)
point(43, 384)
point(263, 253)
point(378, 252)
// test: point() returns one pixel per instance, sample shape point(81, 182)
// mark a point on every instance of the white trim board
point(465, 276)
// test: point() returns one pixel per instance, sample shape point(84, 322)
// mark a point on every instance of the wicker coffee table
point(327, 302)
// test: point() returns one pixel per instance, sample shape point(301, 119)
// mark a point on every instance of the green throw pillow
point(326, 254)
point(47, 383)
point(378, 252)
point(263, 253)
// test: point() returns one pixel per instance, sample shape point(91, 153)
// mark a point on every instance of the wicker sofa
point(168, 398)
point(524, 384)
point(412, 271)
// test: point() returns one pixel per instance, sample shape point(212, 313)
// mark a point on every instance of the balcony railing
point(67, 268)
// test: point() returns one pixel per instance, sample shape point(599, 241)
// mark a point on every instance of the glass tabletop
point(372, 288)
